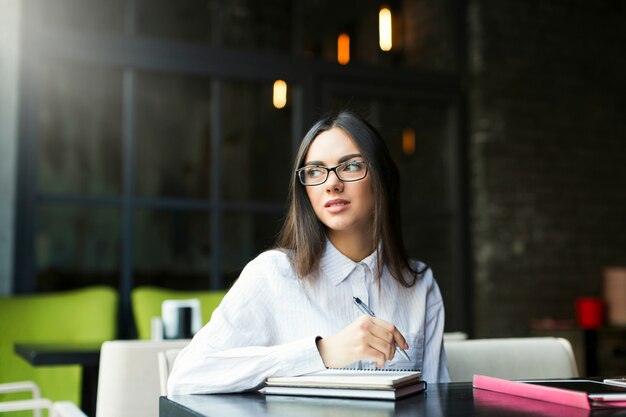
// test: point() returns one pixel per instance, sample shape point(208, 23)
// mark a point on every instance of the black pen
point(366, 310)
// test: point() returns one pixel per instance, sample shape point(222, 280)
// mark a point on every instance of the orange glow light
point(408, 140)
point(343, 49)
point(280, 94)
point(384, 28)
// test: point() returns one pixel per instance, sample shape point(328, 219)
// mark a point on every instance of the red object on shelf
point(590, 312)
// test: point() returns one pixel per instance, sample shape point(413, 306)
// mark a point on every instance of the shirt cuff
point(301, 357)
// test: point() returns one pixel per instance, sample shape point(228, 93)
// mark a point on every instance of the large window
point(151, 152)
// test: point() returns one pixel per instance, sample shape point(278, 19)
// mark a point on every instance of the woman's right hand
point(367, 338)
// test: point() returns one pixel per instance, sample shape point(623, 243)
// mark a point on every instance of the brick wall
point(547, 154)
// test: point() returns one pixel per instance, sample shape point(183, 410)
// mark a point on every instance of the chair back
point(35, 405)
point(147, 303)
point(128, 382)
point(67, 409)
point(86, 315)
point(166, 363)
point(450, 336)
point(511, 358)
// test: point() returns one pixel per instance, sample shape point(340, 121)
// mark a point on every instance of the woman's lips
point(337, 205)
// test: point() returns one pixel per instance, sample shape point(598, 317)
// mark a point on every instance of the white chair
point(510, 358)
point(67, 409)
point(166, 362)
point(450, 336)
point(55, 409)
point(128, 383)
point(21, 386)
point(36, 404)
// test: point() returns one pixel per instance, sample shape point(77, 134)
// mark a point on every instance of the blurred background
point(141, 142)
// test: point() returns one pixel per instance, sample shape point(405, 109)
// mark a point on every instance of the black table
point(458, 399)
point(85, 354)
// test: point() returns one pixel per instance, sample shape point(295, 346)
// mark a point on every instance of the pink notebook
point(500, 404)
point(579, 393)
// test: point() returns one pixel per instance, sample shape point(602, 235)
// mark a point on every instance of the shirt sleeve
point(435, 368)
point(235, 352)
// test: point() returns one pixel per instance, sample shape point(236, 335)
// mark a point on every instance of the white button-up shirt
point(268, 322)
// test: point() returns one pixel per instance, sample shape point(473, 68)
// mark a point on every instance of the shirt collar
point(338, 267)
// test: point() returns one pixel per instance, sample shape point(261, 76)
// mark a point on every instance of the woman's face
point(343, 207)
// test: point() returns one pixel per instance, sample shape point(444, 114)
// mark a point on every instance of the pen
point(366, 310)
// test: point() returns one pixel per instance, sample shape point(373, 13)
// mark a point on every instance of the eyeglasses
point(347, 172)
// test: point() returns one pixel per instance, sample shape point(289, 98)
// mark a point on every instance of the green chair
point(87, 315)
point(147, 301)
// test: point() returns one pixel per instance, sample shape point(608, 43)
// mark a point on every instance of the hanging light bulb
point(408, 140)
point(280, 94)
point(343, 49)
point(384, 28)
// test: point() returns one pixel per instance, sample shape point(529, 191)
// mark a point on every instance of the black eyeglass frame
point(332, 169)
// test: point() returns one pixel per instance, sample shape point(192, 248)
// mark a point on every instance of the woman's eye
point(353, 167)
point(314, 172)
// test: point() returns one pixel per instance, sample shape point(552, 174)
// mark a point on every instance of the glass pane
point(428, 38)
point(182, 21)
point(323, 20)
point(246, 236)
point(79, 120)
point(429, 239)
point(242, 24)
point(83, 15)
point(256, 153)
point(173, 131)
point(422, 32)
point(172, 249)
point(77, 246)
point(425, 171)
point(259, 25)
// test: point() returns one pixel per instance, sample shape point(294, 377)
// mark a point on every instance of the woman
point(291, 311)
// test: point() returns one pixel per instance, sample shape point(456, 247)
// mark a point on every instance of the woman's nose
point(333, 183)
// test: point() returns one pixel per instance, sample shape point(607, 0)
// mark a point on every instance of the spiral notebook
point(352, 383)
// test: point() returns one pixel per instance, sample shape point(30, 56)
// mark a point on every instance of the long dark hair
point(304, 236)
